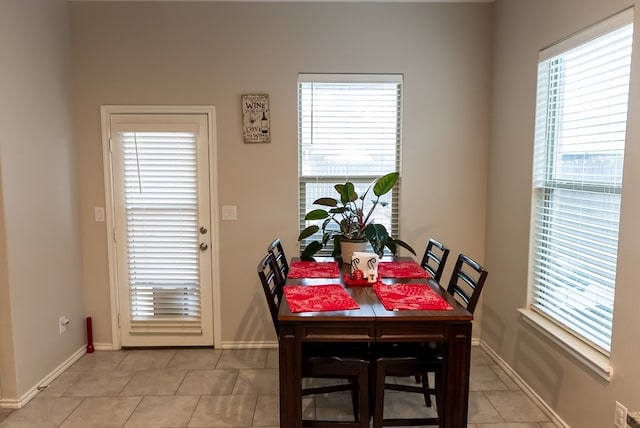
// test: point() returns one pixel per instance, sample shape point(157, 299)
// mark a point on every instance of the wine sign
point(256, 124)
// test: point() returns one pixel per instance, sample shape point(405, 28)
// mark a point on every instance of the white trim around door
point(106, 114)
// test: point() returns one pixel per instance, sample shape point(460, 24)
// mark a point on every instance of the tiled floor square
point(59, 386)
point(257, 381)
point(146, 360)
point(481, 410)
point(224, 410)
point(208, 382)
point(42, 413)
point(163, 411)
point(515, 406)
point(99, 384)
point(155, 382)
point(195, 359)
point(267, 411)
point(243, 359)
point(4, 413)
point(104, 412)
point(483, 378)
point(98, 361)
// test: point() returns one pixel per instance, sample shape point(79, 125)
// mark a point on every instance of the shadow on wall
point(533, 364)
point(530, 362)
point(256, 314)
point(493, 328)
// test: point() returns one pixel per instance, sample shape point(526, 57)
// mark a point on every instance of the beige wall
point(212, 53)
point(580, 397)
point(39, 241)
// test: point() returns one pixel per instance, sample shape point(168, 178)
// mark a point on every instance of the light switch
point(229, 212)
point(99, 213)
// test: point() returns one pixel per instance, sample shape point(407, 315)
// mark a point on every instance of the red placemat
point(407, 269)
point(398, 297)
point(314, 270)
point(316, 298)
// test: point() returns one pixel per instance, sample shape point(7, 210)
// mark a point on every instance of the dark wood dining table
point(373, 323)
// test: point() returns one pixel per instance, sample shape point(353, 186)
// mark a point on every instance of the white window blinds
point(348, 129)
point(161, 202)
point(581, 118)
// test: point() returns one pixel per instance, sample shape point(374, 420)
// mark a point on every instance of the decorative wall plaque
point(256, 118)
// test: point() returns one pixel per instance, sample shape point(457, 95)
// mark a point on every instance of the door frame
point(105, 112)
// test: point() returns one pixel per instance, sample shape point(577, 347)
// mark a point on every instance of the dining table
point(370, 322)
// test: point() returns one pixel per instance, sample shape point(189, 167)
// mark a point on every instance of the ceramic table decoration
point(367, 263)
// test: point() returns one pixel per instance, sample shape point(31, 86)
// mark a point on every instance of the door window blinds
point(583, 86)
point(161, 202)
point(348, 130)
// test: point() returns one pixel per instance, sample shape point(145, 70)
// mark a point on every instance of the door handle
point(203, 246)
point(203, 230)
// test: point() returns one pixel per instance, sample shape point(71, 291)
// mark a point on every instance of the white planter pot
point(347, 248)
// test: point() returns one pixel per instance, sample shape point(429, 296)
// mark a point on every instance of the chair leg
point(439, 398)
point(378, 409)
point(355, 402)
point(364, 414)
point(425, 389)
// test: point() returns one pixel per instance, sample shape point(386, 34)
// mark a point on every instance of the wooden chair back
point(269, 275)
point(280, 257)
point(434, 259)
point(467, 280)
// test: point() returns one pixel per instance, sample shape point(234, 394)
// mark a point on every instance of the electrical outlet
point(620, 418)
point(63, 322)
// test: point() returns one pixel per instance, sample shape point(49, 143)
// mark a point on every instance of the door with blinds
point(162, 228)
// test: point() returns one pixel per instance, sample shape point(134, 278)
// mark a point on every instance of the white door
point(162, 228)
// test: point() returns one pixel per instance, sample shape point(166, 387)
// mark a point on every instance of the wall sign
point(256, 124)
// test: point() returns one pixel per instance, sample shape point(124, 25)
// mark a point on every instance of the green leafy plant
point(354, 220)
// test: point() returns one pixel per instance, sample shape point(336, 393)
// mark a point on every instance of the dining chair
point(348, 365)
point(434, 259)
point(418, 359)
point(277, 250)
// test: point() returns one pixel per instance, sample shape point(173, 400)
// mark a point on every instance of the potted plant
point(354, 220)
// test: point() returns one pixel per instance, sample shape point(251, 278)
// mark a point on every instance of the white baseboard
point(103, 347)
point(249, 345)
point(22, 401)
point(546, 409)
point(223, 345)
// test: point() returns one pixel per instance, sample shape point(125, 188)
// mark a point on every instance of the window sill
point(588, 356)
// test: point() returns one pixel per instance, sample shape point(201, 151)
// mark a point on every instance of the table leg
point(290, 368)
point(456, 377)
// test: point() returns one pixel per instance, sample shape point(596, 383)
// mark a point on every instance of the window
point(583, 85)
point(348, 129)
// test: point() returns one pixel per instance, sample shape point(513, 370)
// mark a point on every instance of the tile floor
point(221, 388)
